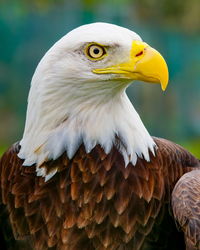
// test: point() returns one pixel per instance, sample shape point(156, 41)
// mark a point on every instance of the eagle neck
point(108, 122)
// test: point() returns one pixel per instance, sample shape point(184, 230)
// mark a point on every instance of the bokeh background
point(29, 28)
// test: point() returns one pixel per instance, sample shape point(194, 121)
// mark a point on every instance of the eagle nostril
point(140, 53)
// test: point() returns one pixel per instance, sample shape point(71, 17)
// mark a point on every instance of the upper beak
point(145, 64)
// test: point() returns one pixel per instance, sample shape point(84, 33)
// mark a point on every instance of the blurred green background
point(29, 28)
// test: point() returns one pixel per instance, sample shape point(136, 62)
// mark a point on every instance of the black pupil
point(96, 51)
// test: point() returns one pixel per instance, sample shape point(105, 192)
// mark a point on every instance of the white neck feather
point(65, 111)
point(51, 129)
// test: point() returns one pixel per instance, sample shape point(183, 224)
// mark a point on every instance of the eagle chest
point(93, 200)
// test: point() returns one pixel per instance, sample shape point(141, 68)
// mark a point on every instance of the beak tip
point(165, 80)
point(164, 85)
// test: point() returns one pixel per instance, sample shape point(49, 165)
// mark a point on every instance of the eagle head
point(77, 95)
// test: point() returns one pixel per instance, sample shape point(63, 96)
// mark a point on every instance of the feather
point(99, 203)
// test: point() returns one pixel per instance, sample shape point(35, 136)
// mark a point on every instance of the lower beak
point(145, 64)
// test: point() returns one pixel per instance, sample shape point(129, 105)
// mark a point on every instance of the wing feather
point(186, 207)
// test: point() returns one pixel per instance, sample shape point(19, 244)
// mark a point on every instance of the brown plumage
point(186, 207)
point(93, 202)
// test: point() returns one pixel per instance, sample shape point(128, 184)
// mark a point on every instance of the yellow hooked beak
point(145, 64)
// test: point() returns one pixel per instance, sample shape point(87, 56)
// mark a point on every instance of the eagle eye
point(95, 51)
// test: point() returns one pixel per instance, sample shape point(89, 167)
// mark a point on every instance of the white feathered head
point(77, 95)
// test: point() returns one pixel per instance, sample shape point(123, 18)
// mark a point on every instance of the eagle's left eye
point(95, 51)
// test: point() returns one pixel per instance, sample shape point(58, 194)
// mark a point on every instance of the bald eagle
point(87, 174)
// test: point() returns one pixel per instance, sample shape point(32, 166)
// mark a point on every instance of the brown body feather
point(186, 207)
point(93, 202)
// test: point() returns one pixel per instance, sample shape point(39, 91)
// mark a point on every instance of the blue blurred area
point(27, 32)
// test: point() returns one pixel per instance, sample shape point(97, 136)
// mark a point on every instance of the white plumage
point(69, 104)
